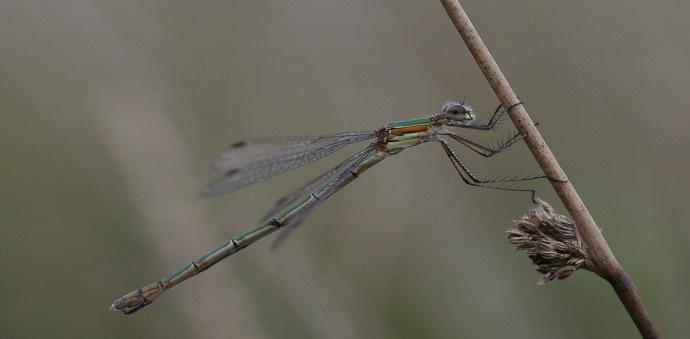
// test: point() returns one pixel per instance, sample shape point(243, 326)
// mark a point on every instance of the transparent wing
point(287, 200)
point(248, 162)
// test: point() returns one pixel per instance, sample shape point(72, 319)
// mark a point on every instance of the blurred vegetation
point(112, 111)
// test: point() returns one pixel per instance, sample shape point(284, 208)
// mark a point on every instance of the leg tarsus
point(557, 180)
point(510, 108)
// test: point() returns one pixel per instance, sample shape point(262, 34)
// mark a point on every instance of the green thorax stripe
point(405, 123)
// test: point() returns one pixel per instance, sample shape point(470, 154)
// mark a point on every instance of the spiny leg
point(495, 117)
point(487, 150)
point(482, 149)
point(470, 179)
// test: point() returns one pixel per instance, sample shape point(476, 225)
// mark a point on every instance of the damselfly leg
point(471, 179)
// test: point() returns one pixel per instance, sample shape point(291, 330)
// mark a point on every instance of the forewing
point(248, 162)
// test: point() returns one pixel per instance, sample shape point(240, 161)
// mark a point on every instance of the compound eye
point(454, 109)
point(458, 112)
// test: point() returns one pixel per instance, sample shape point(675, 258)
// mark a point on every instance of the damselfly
point(245, 163)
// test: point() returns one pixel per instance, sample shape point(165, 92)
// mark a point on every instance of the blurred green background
point(112, 112)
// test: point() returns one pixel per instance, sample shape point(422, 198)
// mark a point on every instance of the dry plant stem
point(603, 262)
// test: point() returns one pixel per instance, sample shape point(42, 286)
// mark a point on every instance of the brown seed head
point(551, 242)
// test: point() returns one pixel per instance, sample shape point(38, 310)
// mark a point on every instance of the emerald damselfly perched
point(248, 162)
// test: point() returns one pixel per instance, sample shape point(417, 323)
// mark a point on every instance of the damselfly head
point(458, 113)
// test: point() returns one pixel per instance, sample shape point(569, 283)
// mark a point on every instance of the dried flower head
point(551, 242)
